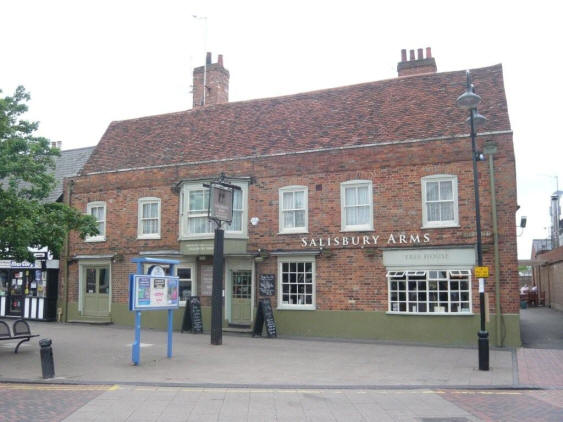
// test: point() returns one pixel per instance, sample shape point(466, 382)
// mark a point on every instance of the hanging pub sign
point(221, 202)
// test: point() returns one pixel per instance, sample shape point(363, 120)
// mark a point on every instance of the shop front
point(29, 290)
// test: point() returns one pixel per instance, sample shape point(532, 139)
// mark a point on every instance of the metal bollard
point(47, 363)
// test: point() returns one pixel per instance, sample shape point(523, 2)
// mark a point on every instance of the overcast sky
point(87, 63)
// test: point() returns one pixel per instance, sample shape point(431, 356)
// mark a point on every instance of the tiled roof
point(412, 107)
point(69, 163)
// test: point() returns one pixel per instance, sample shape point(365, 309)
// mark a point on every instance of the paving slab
point(102, 354)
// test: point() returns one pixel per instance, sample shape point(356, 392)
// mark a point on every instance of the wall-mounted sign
point(365, 240)
point(482, 272)
point(206, 280)
point(153, 292)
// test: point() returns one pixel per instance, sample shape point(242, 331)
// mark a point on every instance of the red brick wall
point(350, 278)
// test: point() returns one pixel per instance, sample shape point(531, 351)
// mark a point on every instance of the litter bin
point(523, 304)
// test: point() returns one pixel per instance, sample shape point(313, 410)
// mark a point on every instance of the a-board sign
point(265, 316)
point(192, 316)
point(267, 284)
point(152, 292)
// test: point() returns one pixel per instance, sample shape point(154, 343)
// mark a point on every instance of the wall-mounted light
point(254, 221)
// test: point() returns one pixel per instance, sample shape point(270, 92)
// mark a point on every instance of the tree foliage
point(26, 178)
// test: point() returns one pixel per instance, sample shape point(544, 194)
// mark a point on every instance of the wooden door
point(241, 296)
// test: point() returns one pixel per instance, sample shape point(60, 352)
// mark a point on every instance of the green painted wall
point(430, 329)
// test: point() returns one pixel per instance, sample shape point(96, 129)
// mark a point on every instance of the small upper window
point(98, 211)
point(149, 218)
point(293, 209)
point(439, 201)
point(356, 205)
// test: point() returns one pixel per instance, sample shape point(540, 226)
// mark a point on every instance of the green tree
point(26, 164)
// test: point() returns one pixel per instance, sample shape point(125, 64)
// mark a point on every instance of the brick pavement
point(508, 405)
point(540, 367)
point(38, 403)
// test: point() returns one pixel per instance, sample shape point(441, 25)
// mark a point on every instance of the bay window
point(194, 204)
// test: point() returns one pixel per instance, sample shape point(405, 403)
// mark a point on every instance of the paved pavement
point(283, 379)
point(130, 403)
point(541, 328)
point(102, 354)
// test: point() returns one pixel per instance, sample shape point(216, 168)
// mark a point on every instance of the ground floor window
point(430, 291)
point(296, 283)
point(187, 287)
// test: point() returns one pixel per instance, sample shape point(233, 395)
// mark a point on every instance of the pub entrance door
point(241, 297)
point(96, 295)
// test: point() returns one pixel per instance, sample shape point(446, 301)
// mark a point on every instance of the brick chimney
point(416, 66)
point(216, 79)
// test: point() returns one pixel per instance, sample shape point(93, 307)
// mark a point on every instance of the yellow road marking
point(58, 387)
point(115, 387)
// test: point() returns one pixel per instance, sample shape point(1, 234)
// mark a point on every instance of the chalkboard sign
point(192, 316)
point(267, 282)
point(265, 316)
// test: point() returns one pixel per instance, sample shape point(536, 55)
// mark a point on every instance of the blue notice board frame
point(146, 280)
point(145, 291)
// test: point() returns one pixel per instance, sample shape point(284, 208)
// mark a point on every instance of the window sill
point(95, 239)
point(355, 230)
point(431, 313)
point(449, 226)
point(148, 237)
point(208, 236)
point(296, 308)
point(294, 232)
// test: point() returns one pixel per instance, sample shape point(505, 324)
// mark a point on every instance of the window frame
point(293, 189)
point(141, 202)
point(297, 260)
point(440, 178)
point(461, 271)
point(355, 227)
point(191, 267)
point(187, 187)
point(101, 237)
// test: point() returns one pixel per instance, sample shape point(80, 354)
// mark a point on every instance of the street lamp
point(469, 101)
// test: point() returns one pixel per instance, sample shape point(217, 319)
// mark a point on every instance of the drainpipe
point(70, 185)
point(490, 149)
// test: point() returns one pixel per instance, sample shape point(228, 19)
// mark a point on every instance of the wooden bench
point(21, 332)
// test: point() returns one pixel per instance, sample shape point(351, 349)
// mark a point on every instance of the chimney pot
point(215, 90)
point(416, 66)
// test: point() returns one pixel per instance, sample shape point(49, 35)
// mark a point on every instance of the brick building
point(358, 200)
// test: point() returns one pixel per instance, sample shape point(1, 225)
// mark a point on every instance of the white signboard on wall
point(429, 258)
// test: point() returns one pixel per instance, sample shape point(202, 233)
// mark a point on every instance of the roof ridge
point(304, 93)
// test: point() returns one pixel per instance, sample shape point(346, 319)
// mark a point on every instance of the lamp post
point(469, 101)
